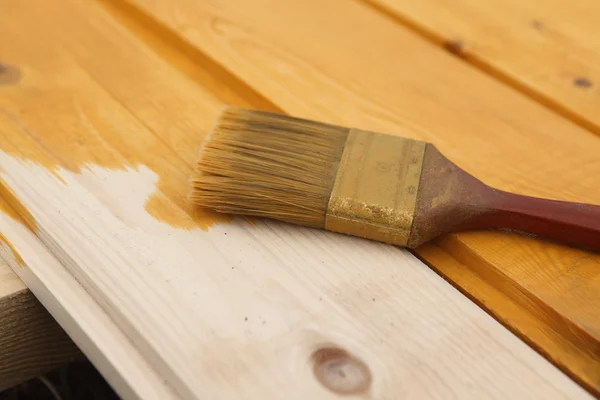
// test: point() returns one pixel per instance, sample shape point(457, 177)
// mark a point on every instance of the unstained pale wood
point(31, 342)
point(363, 69)
point(98, 139)
point(549, 50)
point(10, 284)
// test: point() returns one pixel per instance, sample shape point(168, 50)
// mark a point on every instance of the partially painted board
point(361, 68)
point(113, 354)
point(98, 140)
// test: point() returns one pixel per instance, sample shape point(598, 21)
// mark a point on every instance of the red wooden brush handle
point(451, 200)
point(570, 223)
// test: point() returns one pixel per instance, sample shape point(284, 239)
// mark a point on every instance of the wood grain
point(220, 308)
point(549, 51)
point(31, 340)
point(375, 74)
point(10, 284)
point(450, 200)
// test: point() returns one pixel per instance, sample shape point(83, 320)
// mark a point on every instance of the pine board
point(86, 324)
point(98, 138)
point(373, 73)
point(31, 342)
point(548, 49)
point(10, 284)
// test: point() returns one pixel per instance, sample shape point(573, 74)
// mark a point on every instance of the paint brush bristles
point(268, 165)
point(366, 184)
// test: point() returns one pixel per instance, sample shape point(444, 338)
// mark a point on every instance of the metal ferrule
point(375, 190)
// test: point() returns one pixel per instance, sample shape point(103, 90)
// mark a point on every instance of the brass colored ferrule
point(375, 189)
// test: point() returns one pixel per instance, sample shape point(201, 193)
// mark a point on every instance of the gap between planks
point(530, 248)
point(455, 47)
point(276, 235)
point(456, 264)
point(183, 56)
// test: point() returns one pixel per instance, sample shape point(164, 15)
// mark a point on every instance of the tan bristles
point(268, 165)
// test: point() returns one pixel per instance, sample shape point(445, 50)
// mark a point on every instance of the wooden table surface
point(508, 90)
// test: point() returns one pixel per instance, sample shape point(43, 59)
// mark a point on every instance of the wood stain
point(65, 129)
point(17, 257)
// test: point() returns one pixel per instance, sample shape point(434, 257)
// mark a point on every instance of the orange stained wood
point(17, 257)
point(110, 101)
point(554, 332)
point(12, 207)
point(31, 342)
point(549, 49)
point(7, 209)
point(364, 69)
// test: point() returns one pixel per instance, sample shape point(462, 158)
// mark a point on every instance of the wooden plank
point(38, 343)
point(375, 74)
point(98, 153)
point(34, 342)
point(10, 284)
point(549, 51)
point(31, 342)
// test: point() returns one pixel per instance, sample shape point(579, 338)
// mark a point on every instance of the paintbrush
point(366, 184)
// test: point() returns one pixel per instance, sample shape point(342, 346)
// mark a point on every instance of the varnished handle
point(451, 200)
point(574, 224)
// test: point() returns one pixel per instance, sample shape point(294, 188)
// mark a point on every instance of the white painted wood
point(237, 311)
point(117, 359)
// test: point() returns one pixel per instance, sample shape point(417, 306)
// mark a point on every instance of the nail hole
point(340, 372)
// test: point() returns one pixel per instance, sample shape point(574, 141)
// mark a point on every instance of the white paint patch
point(221, 315)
